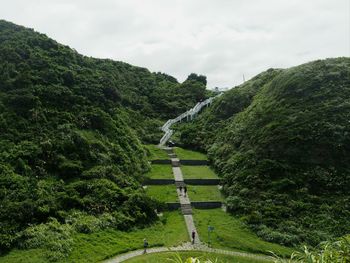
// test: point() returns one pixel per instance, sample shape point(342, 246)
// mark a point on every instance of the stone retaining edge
point(202, 181)
point(193, 162)
point(183, 162)
point(196, 204)
point(165, 161)
point(206, 204)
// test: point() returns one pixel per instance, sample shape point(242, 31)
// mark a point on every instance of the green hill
point(71, 129)
point(281, 142)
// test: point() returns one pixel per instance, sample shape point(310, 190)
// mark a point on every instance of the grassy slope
point(21, 256)
point(189, 155)
point(198, 172)
point(204, 193)
point(160, 171)
point(166, 256)
point(229, 232)
point(101, 245)
point(281, 142)
point(164, 193)
point(156, 153)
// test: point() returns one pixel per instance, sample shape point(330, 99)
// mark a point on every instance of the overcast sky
point(221, 39)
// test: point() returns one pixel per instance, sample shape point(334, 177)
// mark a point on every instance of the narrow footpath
point(185, 247)
point(185, 202)
point(185, 205)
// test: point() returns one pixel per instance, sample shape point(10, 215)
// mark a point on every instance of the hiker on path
point(185, 191)
point(180, 190)
point(145, 245)
point(193, 236)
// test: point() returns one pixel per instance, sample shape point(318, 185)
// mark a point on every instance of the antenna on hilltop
point(243, 78)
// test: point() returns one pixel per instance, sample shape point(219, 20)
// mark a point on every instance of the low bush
point(54, 237)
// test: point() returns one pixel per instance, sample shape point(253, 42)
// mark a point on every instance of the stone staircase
point(186, 209)
point(179, 184)
point(188, 115)
point(184, 204)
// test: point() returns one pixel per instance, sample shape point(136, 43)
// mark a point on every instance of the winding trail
point(186, 247)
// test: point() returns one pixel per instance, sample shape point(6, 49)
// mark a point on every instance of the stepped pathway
point(188, 115)
point(185, 202)
point(186, 209)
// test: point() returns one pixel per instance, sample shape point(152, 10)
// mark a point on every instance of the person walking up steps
point(193, 236)
point(185, 191)
point(180, 190)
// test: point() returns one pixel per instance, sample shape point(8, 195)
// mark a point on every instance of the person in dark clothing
point(185, 191)
point(145, 245)
point(180, 190)
point(193, 236)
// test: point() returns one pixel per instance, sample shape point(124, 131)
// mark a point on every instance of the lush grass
point(189, 155)
point(21, 256)
point(198, 172)
point(204, 193)
point(170, 231)
point(160, 171)
point(166, 256)
point(155, 153)
point(230, 232)
point(164, 193)
point(95, 247)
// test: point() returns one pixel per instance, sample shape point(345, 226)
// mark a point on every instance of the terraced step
point(186, 209)
point(179, 183)
point(175, 162)
point(172, 155)
point(168, 150)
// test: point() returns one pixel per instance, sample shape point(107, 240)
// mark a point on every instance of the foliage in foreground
point(178, 259)
point(328, 252)
point(195, 256)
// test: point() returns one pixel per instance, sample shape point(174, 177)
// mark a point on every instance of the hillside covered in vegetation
point(71, 134)
point(281, 141)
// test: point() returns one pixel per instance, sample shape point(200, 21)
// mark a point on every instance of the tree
point(199, 78)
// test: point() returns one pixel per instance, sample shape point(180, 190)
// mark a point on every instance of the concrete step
point(175, 162)
point(179, 183)
point(186, 209)
point(172, 155)
point(168, 150)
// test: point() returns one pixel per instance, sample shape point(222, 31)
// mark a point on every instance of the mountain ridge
point(283, 150)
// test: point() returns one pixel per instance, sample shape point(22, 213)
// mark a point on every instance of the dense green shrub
point(53, 236)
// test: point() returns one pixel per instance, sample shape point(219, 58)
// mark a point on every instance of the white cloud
point(222, 39)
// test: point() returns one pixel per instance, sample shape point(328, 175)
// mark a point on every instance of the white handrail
point(190, 114)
